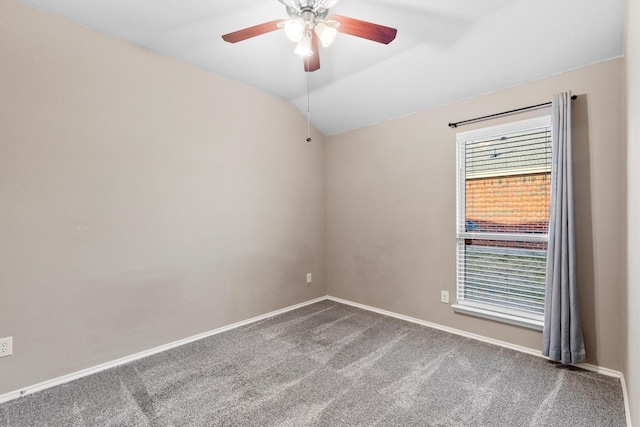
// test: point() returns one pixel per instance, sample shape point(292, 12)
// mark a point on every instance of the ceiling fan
point(309, 25)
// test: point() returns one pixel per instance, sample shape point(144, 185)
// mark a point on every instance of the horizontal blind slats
point(519, 281)
point(472, 281)
point(529, 149)
point(503, 287)
point(513, 266)
point(535, 301)
point(503, 188)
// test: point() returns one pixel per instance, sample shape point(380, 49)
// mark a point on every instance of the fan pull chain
point(308, 102)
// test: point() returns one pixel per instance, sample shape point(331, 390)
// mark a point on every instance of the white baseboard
point(439, 327)
point(83, 373)
point(587, 366)
point(604, 371)
point(627, 406)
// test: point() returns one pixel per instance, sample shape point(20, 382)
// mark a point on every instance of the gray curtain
point(562, 336)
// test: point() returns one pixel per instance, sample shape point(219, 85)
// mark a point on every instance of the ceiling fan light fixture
point(309, 26)
point(326, 34)
point(304, 47)
point(294, 29)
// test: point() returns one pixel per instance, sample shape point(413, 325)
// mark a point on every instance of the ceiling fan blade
point(312, 63)
point(256, 30)
point(366, 30)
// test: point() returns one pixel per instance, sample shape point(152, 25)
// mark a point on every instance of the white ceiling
point(446, 50)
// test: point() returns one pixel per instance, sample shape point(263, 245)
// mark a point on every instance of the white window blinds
point(504, 177)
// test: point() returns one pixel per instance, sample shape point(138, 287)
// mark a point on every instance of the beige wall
point(391, 209)
point(142, 200)
point(632, 71)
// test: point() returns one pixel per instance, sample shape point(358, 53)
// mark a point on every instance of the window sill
point(500, 317)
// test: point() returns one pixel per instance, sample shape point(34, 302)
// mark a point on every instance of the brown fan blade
point(312, 63)
point(256, 30)
point(365, 30)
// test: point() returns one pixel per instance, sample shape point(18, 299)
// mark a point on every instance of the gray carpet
point(328, 364)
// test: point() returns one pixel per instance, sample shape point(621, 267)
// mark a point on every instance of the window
point(503, 196)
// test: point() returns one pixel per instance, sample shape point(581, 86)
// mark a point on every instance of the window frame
point(501, 314)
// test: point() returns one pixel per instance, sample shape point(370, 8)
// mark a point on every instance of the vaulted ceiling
point(445, 50)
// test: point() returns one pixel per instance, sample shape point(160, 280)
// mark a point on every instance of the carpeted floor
point(329, 364)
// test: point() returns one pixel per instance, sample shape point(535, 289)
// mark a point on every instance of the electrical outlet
point(308, 277)
point(444, 297)
point(6, 346)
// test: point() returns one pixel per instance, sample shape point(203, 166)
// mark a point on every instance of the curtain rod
point(504, 113)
